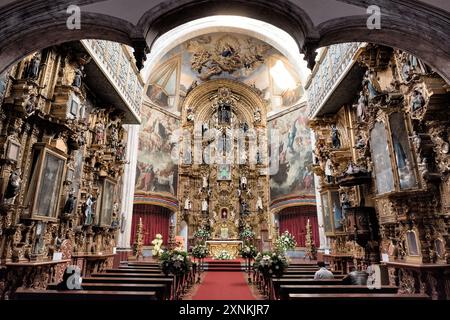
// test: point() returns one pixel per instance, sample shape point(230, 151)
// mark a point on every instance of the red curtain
point(155, 219)
point(294, 220)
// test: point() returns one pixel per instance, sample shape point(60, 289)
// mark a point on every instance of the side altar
point(215, 247)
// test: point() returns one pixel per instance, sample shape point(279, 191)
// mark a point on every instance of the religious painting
point(381, 159)
point(225, 56)
point(45, 184)
point(290, 155)
point(107, 203)
point(157, 169)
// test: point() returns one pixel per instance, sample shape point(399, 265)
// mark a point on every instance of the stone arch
point(413, 26)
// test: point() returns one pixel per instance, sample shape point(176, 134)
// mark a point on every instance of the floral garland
point(247, 234)
point(271, 263)
point(223, 255)
point(202, 234)
point(200, 251)
point(175, 262)
point(157, 243)
point(248, 251)
point(285, 242)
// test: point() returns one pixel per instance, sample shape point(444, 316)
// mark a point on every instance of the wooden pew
point(133, 271)
point(81, 295)
point(129, 275)
point(167, 281)
point(308, 276)
point(139, 268)
point(355, 296)
point(161, 290)
point(286, 290)
point(277, 282)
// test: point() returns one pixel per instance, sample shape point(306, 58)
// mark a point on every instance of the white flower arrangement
point(157, 243)
point(223, 255)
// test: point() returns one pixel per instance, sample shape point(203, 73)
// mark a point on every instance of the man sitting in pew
point(356, 277)
point(323, 272)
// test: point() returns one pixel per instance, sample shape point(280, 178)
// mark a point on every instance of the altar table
point(231, 246)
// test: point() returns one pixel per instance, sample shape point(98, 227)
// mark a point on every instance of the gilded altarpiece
point(223, 177)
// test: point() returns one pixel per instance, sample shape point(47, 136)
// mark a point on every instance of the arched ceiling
point(265, 32)
point(419, 27)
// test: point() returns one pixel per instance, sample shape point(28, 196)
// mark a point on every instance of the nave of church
point(254, 151)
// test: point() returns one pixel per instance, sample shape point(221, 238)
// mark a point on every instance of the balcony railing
point(334, 63)
point(115, 60)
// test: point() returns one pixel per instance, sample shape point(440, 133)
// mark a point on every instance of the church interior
point(202, 151)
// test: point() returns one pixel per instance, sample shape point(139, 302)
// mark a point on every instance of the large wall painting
point(294, 174)
point(223, 55)
point(157, 172)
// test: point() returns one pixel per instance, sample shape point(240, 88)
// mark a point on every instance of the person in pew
point(356, 277)
point(323, 272)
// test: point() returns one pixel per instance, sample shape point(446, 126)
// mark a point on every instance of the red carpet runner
point(224, 286)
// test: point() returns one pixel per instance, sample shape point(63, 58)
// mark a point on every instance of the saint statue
point(257, 115)
point(370, 80)
point(31, 104)
point(99, 133)
point(205, 182)
point(259, 204)
point(187, 204)
point(417, 101)
point(89, 212)
point(329, 170)
point(79, 74)
point(243, 182)
point(13, 188)
point(70, 203)
point(335, 140)
point(204, 206)
point(361, 109)
point(32, 70)
point(224, 214)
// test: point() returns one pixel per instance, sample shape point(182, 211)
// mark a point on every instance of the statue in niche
point(88, 211)
point(205, 182)
point(115, 215)
point(70, 203)
point(417, 101)
point(258, 157)
point(244, 207)
point(224, 214)
point(205, 206)
point(31, 104)
point(329, 171)
point(81, 140)
point(335, 140)
point(32, 70)
point(99, 132)
point(244, 182)
point(259, 204)
point(224, 114)
point(361, 108)
point(257, 115)
point(114, 137)
point(360, 142)
point(187, 204)
point(373, 87)
point(79, 74)
point(13, 187)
